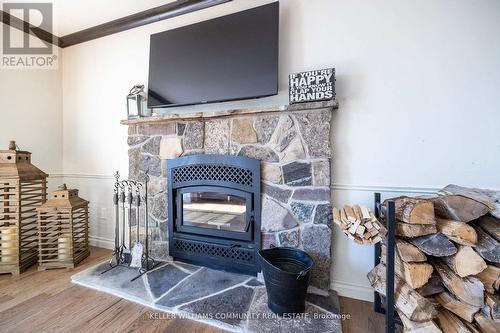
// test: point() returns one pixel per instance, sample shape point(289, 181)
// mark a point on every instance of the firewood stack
point(359, 224)
point(447, 259)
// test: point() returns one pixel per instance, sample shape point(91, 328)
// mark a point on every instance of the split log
point(416, 274)
point(471, 327)
point(359, 224)
point(485, 324)
point(432, 287)
point(409, 252)
point(493, 303)
point(488, 197)
point(487, 246)
point(411, 326)
point(414, 230)
point(464, 311)
point(457, 231)
point(468, 290)
point(458, 207)
point(465, 262)
point(414, 210)
point(491, 225)
point(406, 300)
point(436, 245)
point(490, 278)
point(450, 323)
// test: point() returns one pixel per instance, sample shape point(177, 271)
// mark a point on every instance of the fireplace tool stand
point(122, 256)
point(147, 262)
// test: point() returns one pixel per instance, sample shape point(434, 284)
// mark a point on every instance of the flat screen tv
point(228, 58)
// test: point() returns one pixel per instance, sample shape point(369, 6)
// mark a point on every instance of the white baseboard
point(351, 290)
point(102, 242)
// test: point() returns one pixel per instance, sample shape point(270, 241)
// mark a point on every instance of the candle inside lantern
point(64, 247)
point(8, 245)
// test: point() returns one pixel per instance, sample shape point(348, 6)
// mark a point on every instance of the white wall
point(31, 114)
point(417, 82)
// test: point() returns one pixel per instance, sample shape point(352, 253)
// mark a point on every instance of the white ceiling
point(75, 15)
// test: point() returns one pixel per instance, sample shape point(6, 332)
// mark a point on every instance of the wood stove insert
point(214, 211)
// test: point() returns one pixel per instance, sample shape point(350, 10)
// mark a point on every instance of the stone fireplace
point(293, 145)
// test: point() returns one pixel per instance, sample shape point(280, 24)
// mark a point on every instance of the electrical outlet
point(104, 213)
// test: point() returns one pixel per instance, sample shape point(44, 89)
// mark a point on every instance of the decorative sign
point(312, 86)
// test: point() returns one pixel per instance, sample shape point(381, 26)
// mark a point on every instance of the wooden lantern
point(23, 188)
point(63, 230)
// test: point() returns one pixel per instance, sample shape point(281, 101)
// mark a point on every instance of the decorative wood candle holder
point(23, 188)
point(63, 230)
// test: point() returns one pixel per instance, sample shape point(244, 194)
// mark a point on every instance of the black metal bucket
point(286, 274)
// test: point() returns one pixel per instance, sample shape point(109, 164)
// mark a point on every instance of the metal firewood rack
point(388, 213)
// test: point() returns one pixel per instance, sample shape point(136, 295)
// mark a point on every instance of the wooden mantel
point(170, 117)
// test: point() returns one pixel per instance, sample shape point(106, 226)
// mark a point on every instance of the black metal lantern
point(136, 103)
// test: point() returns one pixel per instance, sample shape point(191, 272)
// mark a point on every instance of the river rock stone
point(152, 146)
point(268, 240)
point(284, 134)
point(321, 173)
point(276, 217)
point(133, 216)
point(271, 172)
point(217, 137)
point(315, 129)
point(163, 226)
point(280, 194)
point(159, 250)
point(150, 164)
point(133, 163)
point(265, 126)
point(136, 139)
point(297, 174)
point(289, 238)
point(160, 206)
point(259, 152)
point(312, 194)
point(157, 185)
point(316, 241)
point(323, 215)
point(294, 151)
point(302, 211)
point(170, 147)
point(193, 135)
point(181, 128)
point(243, 131)
point(193, 152)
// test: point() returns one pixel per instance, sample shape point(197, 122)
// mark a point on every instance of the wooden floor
point(48, 302)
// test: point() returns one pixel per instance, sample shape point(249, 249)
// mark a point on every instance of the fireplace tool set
point(130, 195)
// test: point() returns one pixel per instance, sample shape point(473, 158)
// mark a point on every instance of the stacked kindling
point(359, 224)
point(447, 259)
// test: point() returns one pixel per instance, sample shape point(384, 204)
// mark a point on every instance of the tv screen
point(228, 58)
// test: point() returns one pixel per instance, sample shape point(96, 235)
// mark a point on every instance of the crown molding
point(148, 16)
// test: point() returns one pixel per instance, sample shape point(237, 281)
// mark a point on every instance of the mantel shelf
point(333, 104)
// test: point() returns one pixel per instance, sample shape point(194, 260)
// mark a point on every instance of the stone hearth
point(293, 143)
point(233, 302)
